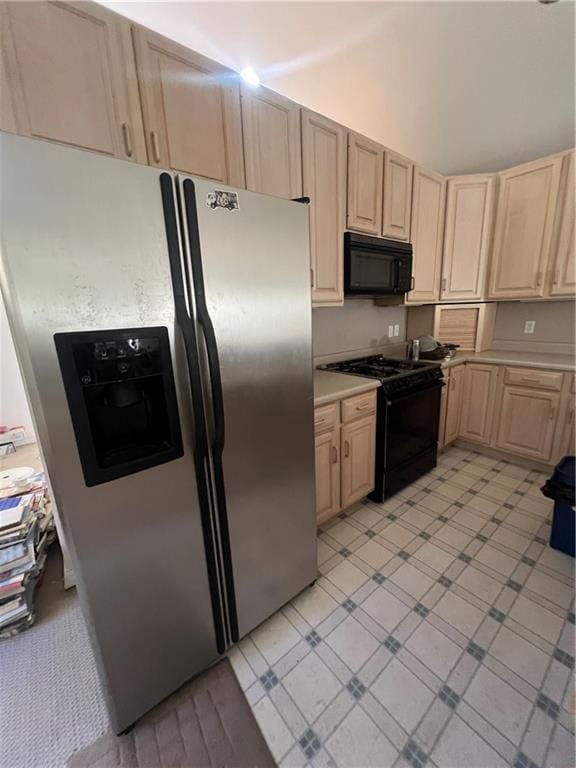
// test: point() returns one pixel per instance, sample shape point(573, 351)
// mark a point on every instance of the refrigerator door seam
point(218, 439)
point(200, 438)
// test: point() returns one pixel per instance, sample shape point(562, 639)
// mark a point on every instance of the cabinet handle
point(334, 454)
point(539, 278)
point(529, 380)
point(127, 139)
point(364, 407)
point(155, 147)
point(556, 276)
point(312, 277)
point(443, 283)
point(412, 283)
point(346, 448)
point(552, 412)
point(571, 418)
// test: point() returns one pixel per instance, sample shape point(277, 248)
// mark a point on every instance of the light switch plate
point(396, 330)
point(529, 326)
point(390, 331)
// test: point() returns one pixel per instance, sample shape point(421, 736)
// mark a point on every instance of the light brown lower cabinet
point(479, 398)
point(567, 445)
point(443, 404)
point(327, 453)
point(453, 404)
point(345, 453)
point(528, 422)
point(525, 412)
point(358, 446)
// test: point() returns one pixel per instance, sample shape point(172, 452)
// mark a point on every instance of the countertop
point(553, 362)
point(330, 386)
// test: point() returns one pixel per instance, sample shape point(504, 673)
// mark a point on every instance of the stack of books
point(26, 531)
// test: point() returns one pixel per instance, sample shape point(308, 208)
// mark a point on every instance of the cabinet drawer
point(326, 416)
point(533, 377)
point(357, 406)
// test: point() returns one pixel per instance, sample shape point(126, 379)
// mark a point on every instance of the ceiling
point(462, 87)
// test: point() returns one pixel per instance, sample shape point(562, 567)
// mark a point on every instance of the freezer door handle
point(219, 436)
point(200, 437)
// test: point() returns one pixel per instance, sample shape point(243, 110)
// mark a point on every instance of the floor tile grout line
point(534, 705)
point(358, 542)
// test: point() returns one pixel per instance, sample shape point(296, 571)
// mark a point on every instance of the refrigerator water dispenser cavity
point(120, 390)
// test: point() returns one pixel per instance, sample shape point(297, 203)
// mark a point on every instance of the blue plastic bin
point(561, 488)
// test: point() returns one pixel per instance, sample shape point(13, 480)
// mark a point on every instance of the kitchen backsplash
point(553, 330)
point(358, 325)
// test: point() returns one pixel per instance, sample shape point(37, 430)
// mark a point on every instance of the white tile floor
point(440, 633)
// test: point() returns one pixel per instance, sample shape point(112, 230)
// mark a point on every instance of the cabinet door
point(428, 198)
point(527, 199)
point(478, 400)
point(70, 77)
point(358, 441)
point(527, 422)
point(272, 149)
point(443, 404)
point(327, 474)
point(469, 204)
point(191, 110)
point(563, 277)
point(324, 182)
point(398, 172)
point(365, 170)
point(454, 403)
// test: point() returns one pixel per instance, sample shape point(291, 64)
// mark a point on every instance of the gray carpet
point(207, 724)
point(51, 702)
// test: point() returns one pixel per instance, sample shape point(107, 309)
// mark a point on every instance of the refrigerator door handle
point(200, 437)
point(219, 436)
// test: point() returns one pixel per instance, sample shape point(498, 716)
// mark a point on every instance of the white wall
point(14, 411)
point(357, 325)
point(459, 86)
point(555, 321)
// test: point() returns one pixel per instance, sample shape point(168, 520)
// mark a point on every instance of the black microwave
point(374, 266)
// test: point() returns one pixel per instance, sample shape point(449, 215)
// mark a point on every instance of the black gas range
point(408, 416)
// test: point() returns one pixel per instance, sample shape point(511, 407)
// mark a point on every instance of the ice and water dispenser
point(122, 400)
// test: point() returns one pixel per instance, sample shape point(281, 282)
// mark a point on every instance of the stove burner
point(395, 374)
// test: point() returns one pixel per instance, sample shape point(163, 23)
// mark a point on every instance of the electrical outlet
point(396, 330)
point(529, 326)
point(390, 331)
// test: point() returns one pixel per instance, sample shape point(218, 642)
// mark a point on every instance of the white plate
point(10, 477)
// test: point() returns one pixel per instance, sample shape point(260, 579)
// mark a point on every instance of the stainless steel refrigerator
point(163, 328)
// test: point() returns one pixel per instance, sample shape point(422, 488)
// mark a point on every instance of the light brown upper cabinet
point(68, 70)
point(478, 401)
point(469, 206)
point(324, 182)
point(365, 172)
point(191, 109)
point(428, 204)
point(563, 272)
point(525, 215)
point(398, 172)
point(272, 149)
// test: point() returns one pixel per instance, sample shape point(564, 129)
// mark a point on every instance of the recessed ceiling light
point(250, 76)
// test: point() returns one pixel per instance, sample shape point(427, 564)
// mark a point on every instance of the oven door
point(411, 425)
